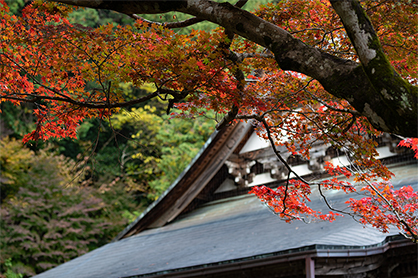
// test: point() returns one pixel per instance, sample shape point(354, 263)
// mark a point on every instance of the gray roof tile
point(220, 231)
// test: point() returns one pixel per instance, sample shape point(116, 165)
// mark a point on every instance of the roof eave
point(302, 253)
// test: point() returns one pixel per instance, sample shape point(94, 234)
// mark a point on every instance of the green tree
point(15, 6)
point(161, 147)
point(180, 140)
point(51, 219)
point(94, 18)
point(15, 164)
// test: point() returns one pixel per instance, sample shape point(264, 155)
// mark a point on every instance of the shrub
point(51, 219)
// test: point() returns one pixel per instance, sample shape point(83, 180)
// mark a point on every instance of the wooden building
point(206, 225)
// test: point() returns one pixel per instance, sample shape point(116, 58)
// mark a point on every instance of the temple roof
point(188, 233)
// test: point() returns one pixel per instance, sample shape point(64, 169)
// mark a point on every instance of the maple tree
point(339, 72)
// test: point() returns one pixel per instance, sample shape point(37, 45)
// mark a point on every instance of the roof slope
point(223, 231)
point(191, 181)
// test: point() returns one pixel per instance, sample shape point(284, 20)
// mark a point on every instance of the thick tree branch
point(393, 89)
point(184, 23)
point(129, 7)
point(342, 78)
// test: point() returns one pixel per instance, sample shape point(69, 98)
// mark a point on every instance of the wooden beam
point(210, 166)
point(310, 267)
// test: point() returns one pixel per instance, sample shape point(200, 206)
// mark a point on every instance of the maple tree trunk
point(372, 87)
point(395, 92)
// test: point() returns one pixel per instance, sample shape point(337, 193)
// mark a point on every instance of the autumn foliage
point(47, 61)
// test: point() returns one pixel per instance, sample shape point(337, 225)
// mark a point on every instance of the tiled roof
point(221, 232)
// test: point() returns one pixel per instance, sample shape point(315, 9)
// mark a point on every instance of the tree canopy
point(46, 218)
point(340, 72)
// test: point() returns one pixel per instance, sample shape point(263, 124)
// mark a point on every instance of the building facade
point(206, 225)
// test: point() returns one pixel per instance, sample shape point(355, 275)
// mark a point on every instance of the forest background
point(63, 198)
